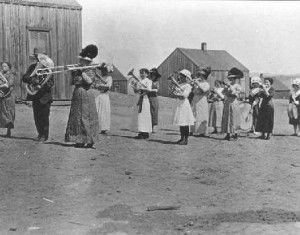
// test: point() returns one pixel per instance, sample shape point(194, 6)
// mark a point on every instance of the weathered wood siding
point(178, 61)
point(61, 24)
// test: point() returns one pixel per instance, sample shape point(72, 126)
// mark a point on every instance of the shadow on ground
point(122, 217)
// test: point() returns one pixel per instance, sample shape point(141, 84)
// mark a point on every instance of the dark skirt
point(7, 112)
point(265, 120)
point(83, 122)
point(295, 121)
point(154, 110)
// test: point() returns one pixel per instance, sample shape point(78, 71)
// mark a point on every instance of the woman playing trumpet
point(199, 103)
point(183, 116)
point(102, 85)
point(143, 87)
point(230, 118)
point(265, 120)
point(294, 118)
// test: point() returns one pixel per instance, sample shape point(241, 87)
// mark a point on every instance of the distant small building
point(220, 62)
point(120, 82)
point(282, 86)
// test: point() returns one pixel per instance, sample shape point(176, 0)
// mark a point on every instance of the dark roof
point(216, 59)
point(70, 4)
point(117, 75)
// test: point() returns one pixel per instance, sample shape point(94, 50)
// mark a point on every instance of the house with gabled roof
point(220, 62)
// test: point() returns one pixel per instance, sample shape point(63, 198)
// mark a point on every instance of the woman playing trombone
point(83, 126)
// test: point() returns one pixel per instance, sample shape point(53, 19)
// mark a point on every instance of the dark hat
point(271, 80)
point(89, 52)
point(235, 73)
point(154, 72)
point(144, 70)
point(204, 72)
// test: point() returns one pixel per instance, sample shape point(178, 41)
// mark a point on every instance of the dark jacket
point(44, 95)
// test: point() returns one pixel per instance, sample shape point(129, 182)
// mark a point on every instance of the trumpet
point(64, 68)
point(137, 82)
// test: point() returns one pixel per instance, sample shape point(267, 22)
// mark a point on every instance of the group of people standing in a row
point(198, 106)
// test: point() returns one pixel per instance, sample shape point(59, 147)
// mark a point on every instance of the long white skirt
point(200, 110)
point(183, 115)
point(104, 111)
point(144, 117)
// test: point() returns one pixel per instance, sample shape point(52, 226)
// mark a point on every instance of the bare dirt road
point(246, 187)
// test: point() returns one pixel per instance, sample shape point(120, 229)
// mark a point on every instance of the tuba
point(4, 91)
point(40, 75)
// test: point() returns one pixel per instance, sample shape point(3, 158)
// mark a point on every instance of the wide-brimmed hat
point(88, 53)
point(45, 60)
point(296, 82)
point(204, 72)
point(186, 73)
point(154, 72)
point(235, 73)
point(36, 51)
point(256, 79)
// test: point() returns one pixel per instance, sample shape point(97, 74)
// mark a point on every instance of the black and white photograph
point(149, 117)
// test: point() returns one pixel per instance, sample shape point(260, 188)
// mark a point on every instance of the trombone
point(64, 68)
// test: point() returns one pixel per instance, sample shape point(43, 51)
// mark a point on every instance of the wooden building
point(282, 86)
point(52, 26)
point(220, 62)
point(120, 82)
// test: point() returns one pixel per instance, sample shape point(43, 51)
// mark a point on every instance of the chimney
point(203, 46)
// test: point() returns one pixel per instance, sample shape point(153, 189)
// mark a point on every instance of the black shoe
point(262, 137)
point(235, 137)
point(215, 132)
point(268, 137)
point(227, 137)
point(183, 142)
point(146, 136)
point(90, 146)
point(139, 136)
point(79, 145)
point(103, 132)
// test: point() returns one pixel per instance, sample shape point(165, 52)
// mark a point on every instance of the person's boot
point(262, 136)
point(8, 133)
point(227, 137)
point(235, 137)
point(145, 136)
point(268, 136)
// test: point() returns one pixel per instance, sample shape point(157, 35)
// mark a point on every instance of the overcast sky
point(264, 36)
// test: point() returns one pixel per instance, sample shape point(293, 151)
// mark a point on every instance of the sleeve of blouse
point(109, 82)
point(187, 91)
point(88, 76)
point(205, 86)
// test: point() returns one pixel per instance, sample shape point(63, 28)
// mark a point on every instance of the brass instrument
point(5, 90)
point(64, 68)
point(174, 86)
point(136, 82)
point(40, 79)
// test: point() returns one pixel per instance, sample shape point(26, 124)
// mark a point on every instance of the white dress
point(103, 106)
point(200, 108)
point(183, 115)
point(144, 117)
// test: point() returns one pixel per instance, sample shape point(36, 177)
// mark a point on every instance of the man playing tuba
point(42, 97)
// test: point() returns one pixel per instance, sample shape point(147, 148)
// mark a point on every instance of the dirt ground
point(246, 187)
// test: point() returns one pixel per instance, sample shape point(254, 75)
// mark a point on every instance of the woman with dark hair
point(7, 101)
point(265, 120)
point(83, 126)
point(144, 113)
point(294, 106)
point(154, 76)
point(231, 115)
